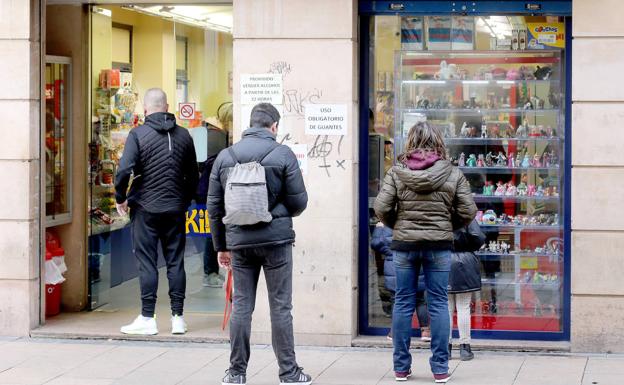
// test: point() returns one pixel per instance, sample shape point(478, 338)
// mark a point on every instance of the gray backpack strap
point(273, 148)
point(233, 155)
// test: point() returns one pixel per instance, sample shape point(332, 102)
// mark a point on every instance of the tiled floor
point(68, 362)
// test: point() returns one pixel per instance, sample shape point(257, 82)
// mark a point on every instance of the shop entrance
point(120, 52)
point(495, 80)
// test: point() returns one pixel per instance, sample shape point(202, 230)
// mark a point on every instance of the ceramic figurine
point(535, 162)
point(518, 160)
point(488, 188)
point(526, 162)
point(540, 191)
point(554, 192)
point(528, 106)
point(484, 134)
point(501, 159)
point(462, 160)
point(522, 132)
point(500, 189)
point(481, 161)
point(495, 131)
point(489, 217)
point(511, 190)
point(472, 161)
point(546, 159)
point(531, 191)
point(554, 161)
point(511, 161)
point(522, 189)
point(464, 131)
point(479, 216)
point(542, 73)
point(488, 159)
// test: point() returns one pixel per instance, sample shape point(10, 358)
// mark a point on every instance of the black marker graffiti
point(294, 100)
point(280, 67)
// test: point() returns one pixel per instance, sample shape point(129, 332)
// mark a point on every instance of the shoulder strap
point(233, 155)
point(269, 152)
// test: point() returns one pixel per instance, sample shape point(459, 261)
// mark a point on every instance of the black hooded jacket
point(287, 193)
point(161, 155)
point(465, 273)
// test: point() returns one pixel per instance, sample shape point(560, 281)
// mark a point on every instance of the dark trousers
point(277, 265)
point(147, 230)
point(211, 263)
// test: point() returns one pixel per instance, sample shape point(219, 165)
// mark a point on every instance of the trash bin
point(53, 280)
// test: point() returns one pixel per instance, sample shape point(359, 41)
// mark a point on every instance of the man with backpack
point(255, 189)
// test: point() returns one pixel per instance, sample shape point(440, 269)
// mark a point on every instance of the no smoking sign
point(187, 111)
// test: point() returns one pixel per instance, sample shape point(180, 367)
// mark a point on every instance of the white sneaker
point(141, 326)
point(178, 326)
point(213, 280)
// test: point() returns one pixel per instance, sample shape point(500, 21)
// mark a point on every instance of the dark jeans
point(211, 263)
point(436, 266)
point(147, 230)
point(277, 265)
point(421, 309)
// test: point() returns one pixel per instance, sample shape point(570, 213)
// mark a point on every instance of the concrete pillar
point(314, 45)
point(19, 166)
point(597, 176)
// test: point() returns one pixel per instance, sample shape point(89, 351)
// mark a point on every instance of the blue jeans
point(436, 265)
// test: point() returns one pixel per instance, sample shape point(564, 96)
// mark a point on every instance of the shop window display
point(176, 49)
point(495, 91)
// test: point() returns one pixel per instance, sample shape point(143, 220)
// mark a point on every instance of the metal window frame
point(65, 218)
point(368, 9)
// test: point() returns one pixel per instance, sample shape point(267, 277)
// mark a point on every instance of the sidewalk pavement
point(74, 362)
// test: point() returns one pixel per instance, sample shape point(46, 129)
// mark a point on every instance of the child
point(465, 278)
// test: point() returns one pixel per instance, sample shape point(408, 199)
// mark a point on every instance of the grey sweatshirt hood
point(426, 180)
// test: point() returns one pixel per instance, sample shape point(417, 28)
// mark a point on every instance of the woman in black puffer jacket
point(464, 279)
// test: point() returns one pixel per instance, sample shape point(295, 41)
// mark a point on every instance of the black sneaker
point(465, 352)
point(299, 378)
point(231, 378)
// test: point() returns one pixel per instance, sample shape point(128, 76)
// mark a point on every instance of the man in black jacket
point(160, 156)
point(268, 246)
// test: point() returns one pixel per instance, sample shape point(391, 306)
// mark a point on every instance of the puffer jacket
point(465, 273)
point(161, 156)
point(421, 200)
point(286, 192)
point(380, 242)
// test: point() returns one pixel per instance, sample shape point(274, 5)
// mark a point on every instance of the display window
point(186, 51)
point(57, 131)
point(496, 87)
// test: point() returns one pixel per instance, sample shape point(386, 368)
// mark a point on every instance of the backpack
point(246, 196)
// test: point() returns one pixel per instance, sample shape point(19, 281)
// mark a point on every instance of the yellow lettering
point(190, 221)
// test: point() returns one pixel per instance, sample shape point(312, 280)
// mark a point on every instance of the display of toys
point(472, 161)
point(488, 188)
point(500, 189)
point(490, 218)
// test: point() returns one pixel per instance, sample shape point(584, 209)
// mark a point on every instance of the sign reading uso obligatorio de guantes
point(326, 119)
point(197, 223)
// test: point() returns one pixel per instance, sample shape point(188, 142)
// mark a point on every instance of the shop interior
point(495, 86)
point(100, 61)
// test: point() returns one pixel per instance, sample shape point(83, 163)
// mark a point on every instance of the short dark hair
point(263, 115)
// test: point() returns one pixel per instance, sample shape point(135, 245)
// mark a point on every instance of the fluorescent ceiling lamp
point(505, 82)
point(217, 18)
point(102, 11)
point(475, 81)
point(424, 82)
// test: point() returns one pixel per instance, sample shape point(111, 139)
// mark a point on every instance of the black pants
point(211, 263)
point(147, 230)
point(277, 265)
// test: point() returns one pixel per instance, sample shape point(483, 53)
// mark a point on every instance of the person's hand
point(122, 208)
point(225, 259)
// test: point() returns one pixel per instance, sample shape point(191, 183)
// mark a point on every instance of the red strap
point(228, 300)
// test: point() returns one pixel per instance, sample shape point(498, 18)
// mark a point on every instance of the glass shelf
point(534, 285)
point(498, 141)
point(516, 198)
point(481, 83)
point(479, 111)
point(491, 228)
point(505, 170)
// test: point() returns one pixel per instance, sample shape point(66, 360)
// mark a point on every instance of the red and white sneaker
point(402, 376)
point(441, 378)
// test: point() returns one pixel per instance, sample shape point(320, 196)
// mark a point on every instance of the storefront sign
point(546, 35)
point(326, 119)
point(197, 223)
point(187, 111)
point(301, 152)
point(261, 88)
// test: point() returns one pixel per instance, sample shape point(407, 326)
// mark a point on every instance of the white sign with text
point(261, 88)
point(326, 119)
point(301, 152)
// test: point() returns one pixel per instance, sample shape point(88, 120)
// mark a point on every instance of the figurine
point(480, 161)
point(513, 74)
point(518, 160)
point(511, 190)
point(540, 191)
point(489, 217)
point(472, 161)
point(484, 134)
point(462, 160)
point(528, 106)
point(522, 132)
point(501, 159)
point(447, 71)
point(511, 161)
point(495, 131)
point(554, 161)
point(527, 73)
point(535, 162)
point(553, 99)
point(542, 73)
point(500, 189)
point(526, 162)
point(522, 189)
point(488, 159)
point(531, 191)
point(488, 188)
point(537, 103)
point(464, 132)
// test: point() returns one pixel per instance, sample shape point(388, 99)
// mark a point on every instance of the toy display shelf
point(516, 322)
point(516, 198)
point(492, 228)
point(509, 283)
point(505, 170)
point(514, 254)
point(499, 141)
point(476, 82)
point(479, 111)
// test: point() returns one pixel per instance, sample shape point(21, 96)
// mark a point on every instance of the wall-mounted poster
point(546, 35)
point(411, 33)
point(439, 32)
point(462, 33)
